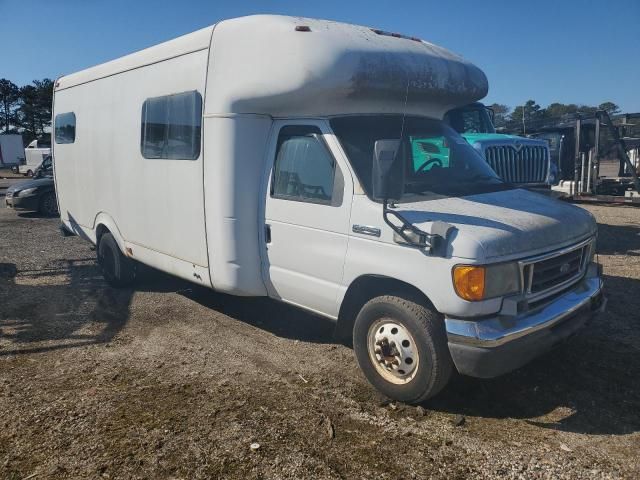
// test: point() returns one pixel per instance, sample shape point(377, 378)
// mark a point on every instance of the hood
point(508, 223)
point(501, 139)
point(40, 182)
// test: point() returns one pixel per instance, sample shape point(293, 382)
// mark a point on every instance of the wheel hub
point(392, 350)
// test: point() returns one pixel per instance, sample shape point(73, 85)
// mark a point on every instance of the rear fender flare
point(105, 220)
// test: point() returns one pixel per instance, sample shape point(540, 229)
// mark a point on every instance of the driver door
point(307, 210)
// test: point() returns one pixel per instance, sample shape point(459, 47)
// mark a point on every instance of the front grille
point(552, 272)
point(527, 164)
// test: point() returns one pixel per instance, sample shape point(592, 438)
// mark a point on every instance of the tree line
point(26, 109)
point(531, 115)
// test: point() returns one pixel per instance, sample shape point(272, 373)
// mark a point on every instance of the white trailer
point(260, 156)
point(11, 151)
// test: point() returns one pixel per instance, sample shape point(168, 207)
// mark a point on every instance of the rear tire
point(49, 205)
point(118, 270)
point(401, 347)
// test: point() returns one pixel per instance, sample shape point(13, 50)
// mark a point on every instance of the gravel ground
point(169, 380)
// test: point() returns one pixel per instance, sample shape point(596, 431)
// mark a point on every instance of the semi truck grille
point(528, 164)
point(551, 273)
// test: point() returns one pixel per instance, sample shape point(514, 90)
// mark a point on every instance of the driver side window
point(304, 169)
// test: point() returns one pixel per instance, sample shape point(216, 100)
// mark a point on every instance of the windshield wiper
point(482, 176)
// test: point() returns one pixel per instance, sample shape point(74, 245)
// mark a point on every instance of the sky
point(568, 51)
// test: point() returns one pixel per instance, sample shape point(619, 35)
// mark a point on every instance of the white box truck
point(11, 150)
point(307, 160)
point(34, 153)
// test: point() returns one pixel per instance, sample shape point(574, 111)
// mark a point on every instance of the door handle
point(366, 230)
point(267, 233)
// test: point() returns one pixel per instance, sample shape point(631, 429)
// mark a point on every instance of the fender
point(103, 218)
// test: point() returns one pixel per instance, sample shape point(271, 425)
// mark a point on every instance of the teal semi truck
point(518, 160)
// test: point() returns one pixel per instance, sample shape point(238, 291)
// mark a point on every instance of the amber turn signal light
point(468, 281)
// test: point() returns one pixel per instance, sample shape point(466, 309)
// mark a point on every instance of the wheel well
point(100, 231)
point(363, 289)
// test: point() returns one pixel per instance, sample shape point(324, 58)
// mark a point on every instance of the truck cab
point(518, 160)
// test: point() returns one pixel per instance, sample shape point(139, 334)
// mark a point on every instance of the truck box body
point(11, 150)
point(34, 154)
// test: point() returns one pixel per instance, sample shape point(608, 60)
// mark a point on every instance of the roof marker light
point(303, 28)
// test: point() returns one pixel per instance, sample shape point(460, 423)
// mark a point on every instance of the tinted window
point(171, 126)
point(472, 120)
point(65, 128)
point(44, 141)
point(304, 169)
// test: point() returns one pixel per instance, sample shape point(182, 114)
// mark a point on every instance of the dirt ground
point(169, 380)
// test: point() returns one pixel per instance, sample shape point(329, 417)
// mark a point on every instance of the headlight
point(27, 191)
point(480, 282)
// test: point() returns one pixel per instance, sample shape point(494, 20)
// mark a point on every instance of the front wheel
point(401, 347)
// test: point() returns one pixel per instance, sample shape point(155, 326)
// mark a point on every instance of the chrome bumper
point(490, 347)
point(500, 330)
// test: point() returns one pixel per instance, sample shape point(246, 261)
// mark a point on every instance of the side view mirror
point(387, 173)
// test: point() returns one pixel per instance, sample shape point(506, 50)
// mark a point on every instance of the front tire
point(48, 204)
point(401, 347)
point(118, 270)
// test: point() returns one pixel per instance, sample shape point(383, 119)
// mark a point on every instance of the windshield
point(437, 159)
point(470, 120)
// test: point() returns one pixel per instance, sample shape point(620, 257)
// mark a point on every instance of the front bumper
point(29, 202)
point(490, 347)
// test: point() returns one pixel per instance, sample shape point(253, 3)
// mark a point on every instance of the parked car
point(330, 182)
point(35, 195)
point(45, 169)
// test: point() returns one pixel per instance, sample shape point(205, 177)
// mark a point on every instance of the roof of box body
point(262, 64)
point(192, 42)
